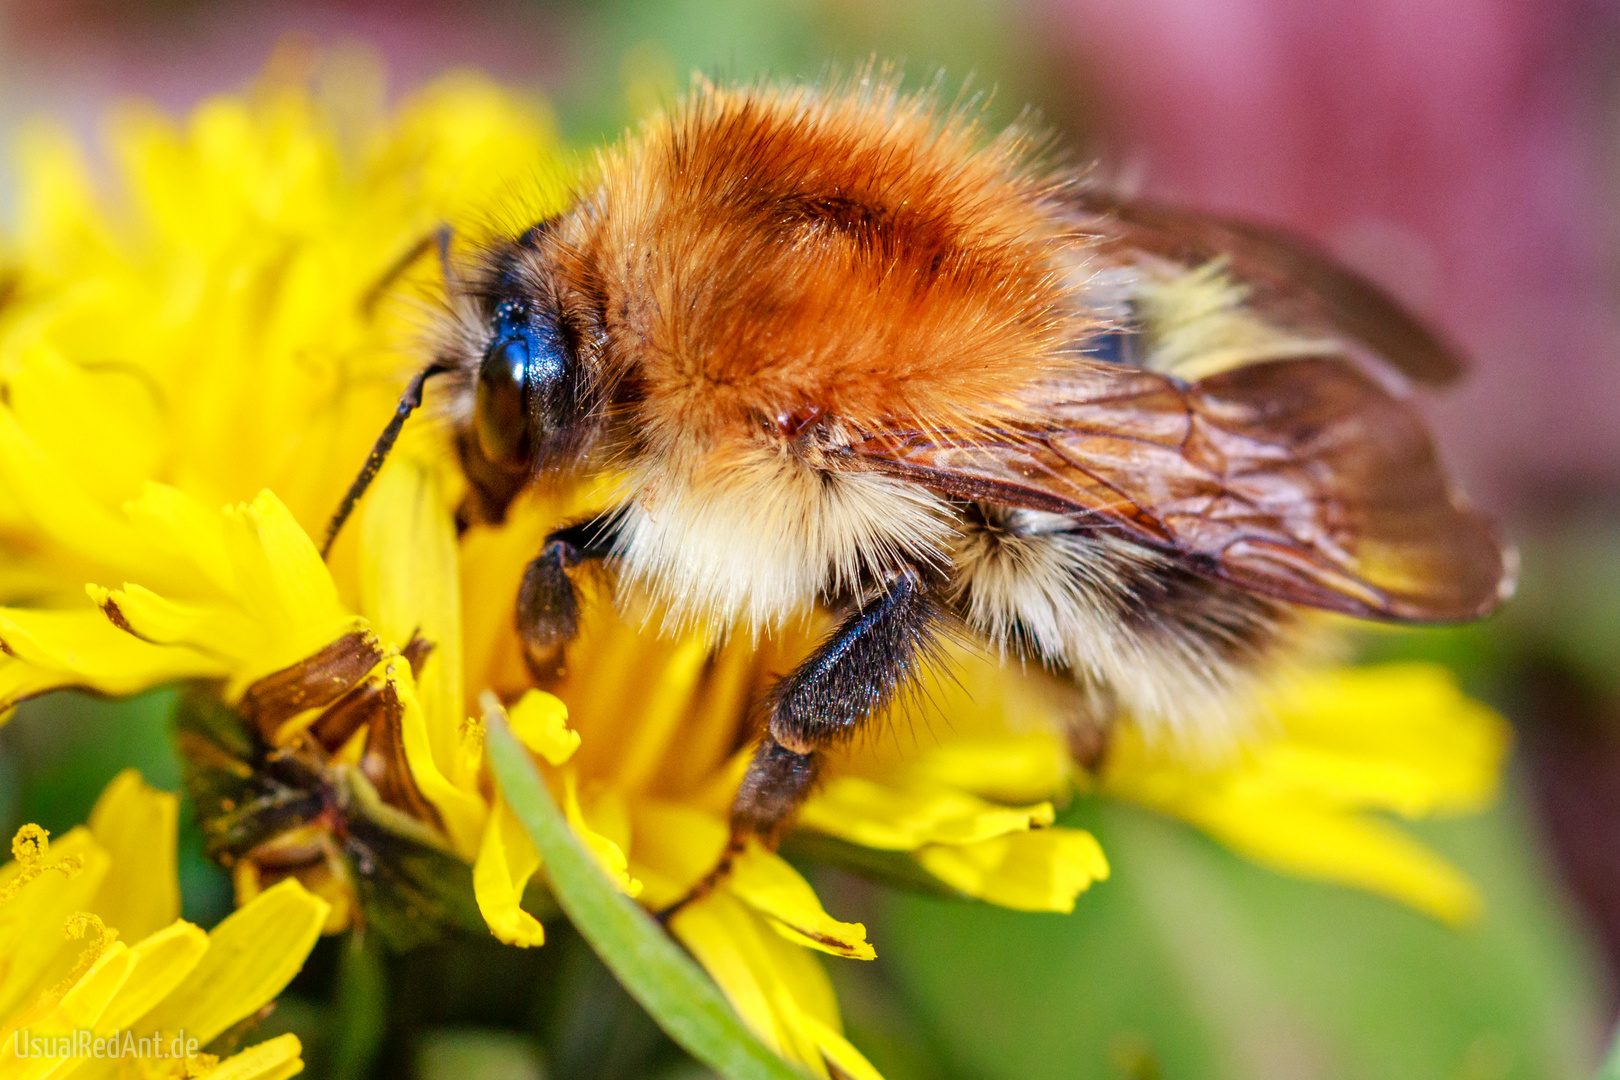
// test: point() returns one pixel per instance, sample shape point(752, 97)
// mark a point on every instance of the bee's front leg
point(438, 240)
point(872, 655)
point(548, 600)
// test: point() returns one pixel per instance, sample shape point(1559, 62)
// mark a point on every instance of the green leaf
point(359, 1010)
point(593, 1028)
point(667, 983)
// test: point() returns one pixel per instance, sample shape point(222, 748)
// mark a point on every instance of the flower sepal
point(357, 836)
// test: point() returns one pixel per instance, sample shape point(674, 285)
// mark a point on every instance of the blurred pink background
point(1458, 152)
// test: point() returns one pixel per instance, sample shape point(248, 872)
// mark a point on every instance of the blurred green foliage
point(1189, 962)
point(629, 54)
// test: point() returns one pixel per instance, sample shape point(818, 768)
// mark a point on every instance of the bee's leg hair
point(547, 601)
point(872, 655)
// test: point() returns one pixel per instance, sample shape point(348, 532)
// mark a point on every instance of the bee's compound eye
point(501, 410)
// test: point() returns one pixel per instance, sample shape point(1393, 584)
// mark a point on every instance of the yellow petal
point(273, 1059)
point(84, 1004)
point(269, 543)
point(138, 825)
point(466, 124)
point(1011, 768)
point(1401, 736)
point(69, 518)
point(506, 861)
point(35, 952)
point(663, 699)
point(778, 988)
point(282, 608)
point(492, 561)
point(540, 721)
point(675, 845)
point(285, 585)
point(163, 959)
point(50, 649)
point(1042, 870)
point(58, 401)
point(79, 1009)
point(1340, 847)
point(57, 219)
point(608, 854)
point(152, 617)
point(707, 737)
point(766, 882)
point(837, 1050)
point(728, 941)
point(891, 819)
point(175, 521)
point(462, 811)
point(251, 956)
point(410, 583)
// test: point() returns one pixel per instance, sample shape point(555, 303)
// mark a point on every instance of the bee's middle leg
point(824, 702)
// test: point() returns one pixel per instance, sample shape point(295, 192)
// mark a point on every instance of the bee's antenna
point(409, 402)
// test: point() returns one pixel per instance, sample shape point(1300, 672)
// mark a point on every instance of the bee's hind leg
point(872, 655)
point(548, 600)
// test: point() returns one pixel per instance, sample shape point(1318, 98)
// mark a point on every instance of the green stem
point(656, 972)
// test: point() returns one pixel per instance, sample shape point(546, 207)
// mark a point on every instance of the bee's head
point(524, 392)
point(524, 402)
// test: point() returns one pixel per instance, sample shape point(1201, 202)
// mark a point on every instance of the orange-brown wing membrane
point(1303, 480)
point(1292, 282)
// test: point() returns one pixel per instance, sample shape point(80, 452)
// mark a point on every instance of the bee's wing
point(1302, 480)
point(1292, 283)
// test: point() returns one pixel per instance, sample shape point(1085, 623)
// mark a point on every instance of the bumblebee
point(843, 352)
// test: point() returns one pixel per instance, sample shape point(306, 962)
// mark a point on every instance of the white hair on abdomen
point(1039, 583)
point(762, 540)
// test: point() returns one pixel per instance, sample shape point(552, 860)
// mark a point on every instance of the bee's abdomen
point(1176, 649)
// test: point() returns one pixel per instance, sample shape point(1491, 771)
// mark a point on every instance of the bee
point(845, 352)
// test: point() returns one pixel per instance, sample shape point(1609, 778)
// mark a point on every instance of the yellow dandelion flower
point(1400, 739)
point(102, 975)
point(222, 341)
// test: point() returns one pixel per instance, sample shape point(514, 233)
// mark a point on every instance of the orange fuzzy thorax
point(771, 255)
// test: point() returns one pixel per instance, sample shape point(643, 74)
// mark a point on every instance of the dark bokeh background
point(1464, 153)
